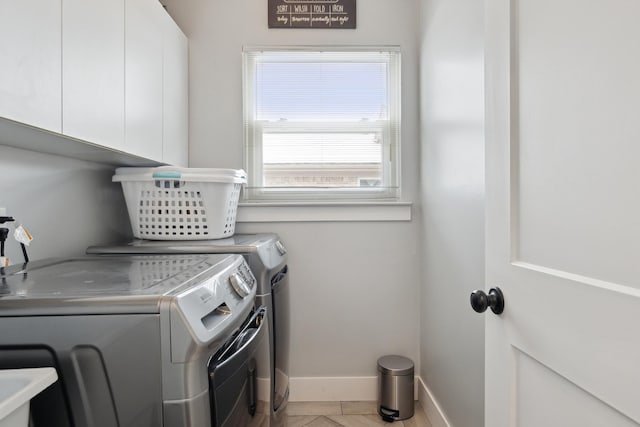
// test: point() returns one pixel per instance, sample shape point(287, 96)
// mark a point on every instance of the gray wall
point(65, 204)
point(452, 198)
point(359, 289)
point(354, 294)
point(355, 285)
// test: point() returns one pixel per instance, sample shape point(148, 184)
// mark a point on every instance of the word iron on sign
point(312, 14)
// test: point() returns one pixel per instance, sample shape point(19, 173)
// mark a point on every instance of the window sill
point(324, 212)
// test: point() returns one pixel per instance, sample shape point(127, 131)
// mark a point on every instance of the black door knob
point(480, 301)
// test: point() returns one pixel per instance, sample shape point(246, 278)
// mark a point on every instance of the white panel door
point(563, 212)
point(93, 71)
point(143, 78)
point(30, 62)
point(175, 94)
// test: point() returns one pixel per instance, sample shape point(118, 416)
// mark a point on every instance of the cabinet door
point(176, 97)
point(93, 71)
point(30, 67)
point(143, 78)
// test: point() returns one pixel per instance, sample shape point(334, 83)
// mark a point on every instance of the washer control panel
point(245, 273)
point(219, 301)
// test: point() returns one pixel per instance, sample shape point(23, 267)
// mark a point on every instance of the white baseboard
point(359, 389)
point(436, 416)
point(336, 389)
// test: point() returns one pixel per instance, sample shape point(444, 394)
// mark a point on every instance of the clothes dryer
point(267, 257)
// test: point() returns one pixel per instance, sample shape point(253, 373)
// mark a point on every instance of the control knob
point(280, 247)
point(239, 285)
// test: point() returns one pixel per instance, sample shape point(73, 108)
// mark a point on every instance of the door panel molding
point(590, 281)
point(573, 127)
point(579, 405)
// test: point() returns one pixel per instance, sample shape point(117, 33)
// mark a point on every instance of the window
point(322, 124)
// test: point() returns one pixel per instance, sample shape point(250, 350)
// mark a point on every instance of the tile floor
point(346, 414)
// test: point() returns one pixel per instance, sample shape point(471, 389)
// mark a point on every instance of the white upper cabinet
point(93, 71)
point(143, 78)
point(113, 73)
point(30, 62)
point(175, 94)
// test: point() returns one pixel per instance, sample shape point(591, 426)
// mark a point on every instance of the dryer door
point(281, 328)
point(239, 377)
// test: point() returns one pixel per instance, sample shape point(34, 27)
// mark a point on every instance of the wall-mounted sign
point(312, 13)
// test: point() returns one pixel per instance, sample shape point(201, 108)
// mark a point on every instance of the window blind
point(314, 117)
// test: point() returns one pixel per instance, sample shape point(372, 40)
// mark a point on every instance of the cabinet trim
point(21, 135)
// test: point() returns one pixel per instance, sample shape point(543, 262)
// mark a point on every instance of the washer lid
point(261, 251)
point(238, 243)
point(102, 281)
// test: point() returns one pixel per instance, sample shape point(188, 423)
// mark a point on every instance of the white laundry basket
point(170, 203)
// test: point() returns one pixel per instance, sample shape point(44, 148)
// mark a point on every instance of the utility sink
point(17, 388)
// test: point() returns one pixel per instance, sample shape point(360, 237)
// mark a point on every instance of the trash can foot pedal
point(388, 415)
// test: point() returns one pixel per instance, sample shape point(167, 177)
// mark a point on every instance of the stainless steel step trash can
point(395, 388)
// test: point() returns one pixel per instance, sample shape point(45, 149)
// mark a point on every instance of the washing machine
point(267, 257)
point(139, 341)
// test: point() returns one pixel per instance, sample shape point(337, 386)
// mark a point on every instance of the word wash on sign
point(312, 13)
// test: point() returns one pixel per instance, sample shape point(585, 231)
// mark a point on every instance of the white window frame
point(389, 130)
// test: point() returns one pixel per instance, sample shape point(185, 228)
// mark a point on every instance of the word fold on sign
point(312, 14)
